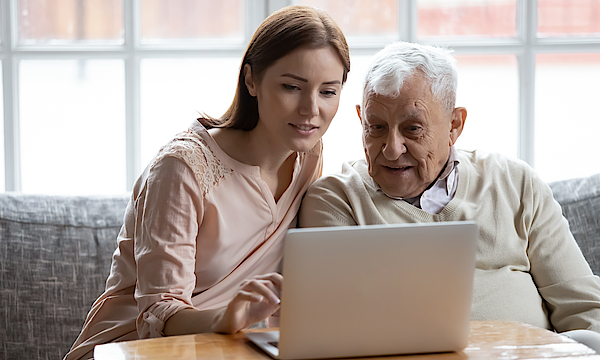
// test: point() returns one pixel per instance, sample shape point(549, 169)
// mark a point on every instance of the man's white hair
point(399, 61)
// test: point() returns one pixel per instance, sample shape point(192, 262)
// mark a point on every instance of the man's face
point(407, 139)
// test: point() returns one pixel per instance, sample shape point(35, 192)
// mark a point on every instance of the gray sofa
point(55, 255)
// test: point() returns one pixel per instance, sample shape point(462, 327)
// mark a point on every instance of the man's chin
point(394, 192)
point(390, 187)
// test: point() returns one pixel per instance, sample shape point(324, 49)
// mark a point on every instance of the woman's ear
point(459, 116)
point(249, 81)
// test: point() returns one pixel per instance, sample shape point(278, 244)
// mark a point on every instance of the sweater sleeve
point(324, 204)
point(561, 273)
point(330, 201)
point(167, 216)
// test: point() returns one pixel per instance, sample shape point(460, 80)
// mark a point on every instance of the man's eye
point(376, 130)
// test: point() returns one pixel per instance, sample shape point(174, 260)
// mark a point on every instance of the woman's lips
point(305, 129)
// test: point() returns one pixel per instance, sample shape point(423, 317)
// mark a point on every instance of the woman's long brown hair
point(282, 32)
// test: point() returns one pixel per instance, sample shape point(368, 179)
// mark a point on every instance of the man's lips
point(397, 167)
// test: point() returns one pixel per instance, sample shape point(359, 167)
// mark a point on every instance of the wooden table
point(487, 340)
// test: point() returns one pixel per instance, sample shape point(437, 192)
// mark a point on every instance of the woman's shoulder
point(191, 147)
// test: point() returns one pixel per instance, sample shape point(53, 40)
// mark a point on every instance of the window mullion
point(255, 11)
point(131, 23)
point(274, 5)
point(407, 20)
point(527, 82)
point(10, 83)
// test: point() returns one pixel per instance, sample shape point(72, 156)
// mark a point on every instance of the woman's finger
point(275, 278)
point(272, 286)
point(249, 296)
point(264, 288)
point(273, 281)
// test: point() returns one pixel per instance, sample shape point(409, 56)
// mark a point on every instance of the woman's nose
point(309, 105)
point(394, 145)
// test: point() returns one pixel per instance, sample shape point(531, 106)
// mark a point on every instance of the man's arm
point(325, 204)
point(562, 275)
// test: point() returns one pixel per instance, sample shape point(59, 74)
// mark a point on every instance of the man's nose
point(394, 145)
point(309, 105)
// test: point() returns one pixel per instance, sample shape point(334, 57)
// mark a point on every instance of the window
point(566, 118)
point(93, 88)
point(73, 140)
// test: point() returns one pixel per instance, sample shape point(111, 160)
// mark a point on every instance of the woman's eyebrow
point(333, 82)
point(295, 77)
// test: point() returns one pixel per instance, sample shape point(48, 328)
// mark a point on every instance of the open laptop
point(374, 290)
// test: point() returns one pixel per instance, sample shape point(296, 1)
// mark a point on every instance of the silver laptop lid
point(377, 290)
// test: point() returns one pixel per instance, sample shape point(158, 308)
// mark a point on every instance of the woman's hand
point(256, 299)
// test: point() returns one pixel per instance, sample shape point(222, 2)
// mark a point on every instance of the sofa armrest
point(55, 255)
point(580, 202)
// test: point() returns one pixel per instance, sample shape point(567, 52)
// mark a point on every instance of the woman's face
point(297, 97)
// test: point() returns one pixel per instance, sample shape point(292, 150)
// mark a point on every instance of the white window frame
point(525, 46)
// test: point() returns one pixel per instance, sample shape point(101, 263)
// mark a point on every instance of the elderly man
point(529, 267)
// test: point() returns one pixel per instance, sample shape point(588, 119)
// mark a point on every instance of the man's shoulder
point(352, 175)
point(491, 162)
point(350, 170)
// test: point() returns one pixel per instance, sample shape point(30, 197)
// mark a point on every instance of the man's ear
point(459, 116)
point(249, 81)
point(358, 112)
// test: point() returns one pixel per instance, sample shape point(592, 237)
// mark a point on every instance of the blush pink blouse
point(198, 224)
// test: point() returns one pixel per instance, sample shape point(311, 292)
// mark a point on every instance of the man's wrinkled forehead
point(373, 100)
point(412, 104)
point(380, 107)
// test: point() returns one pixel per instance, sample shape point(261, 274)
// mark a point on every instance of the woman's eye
point(329, 93)
point(290, 87)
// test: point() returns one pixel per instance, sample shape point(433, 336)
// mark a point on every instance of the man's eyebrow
point(305, 80)
point(372, 115)
point(414, 115)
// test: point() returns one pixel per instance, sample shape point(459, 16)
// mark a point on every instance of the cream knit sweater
point(529, 267)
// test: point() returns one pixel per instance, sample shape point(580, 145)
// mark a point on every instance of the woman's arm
point(256, 299)
point(168, 214)
point(191, 321)
point(168, 218)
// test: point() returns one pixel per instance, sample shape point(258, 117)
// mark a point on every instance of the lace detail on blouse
point(194, 151)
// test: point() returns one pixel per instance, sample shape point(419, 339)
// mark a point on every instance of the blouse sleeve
point(168, 213)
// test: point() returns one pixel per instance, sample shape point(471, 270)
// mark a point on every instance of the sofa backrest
point(55, 255)
point(580, 201)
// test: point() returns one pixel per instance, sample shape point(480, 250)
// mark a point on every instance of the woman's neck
point(250, 148)
point(276, 163)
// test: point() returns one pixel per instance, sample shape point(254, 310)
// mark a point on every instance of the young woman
point(202, 234)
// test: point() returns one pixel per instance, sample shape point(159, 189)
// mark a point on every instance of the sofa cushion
point(55, 255)
point(580, 201)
